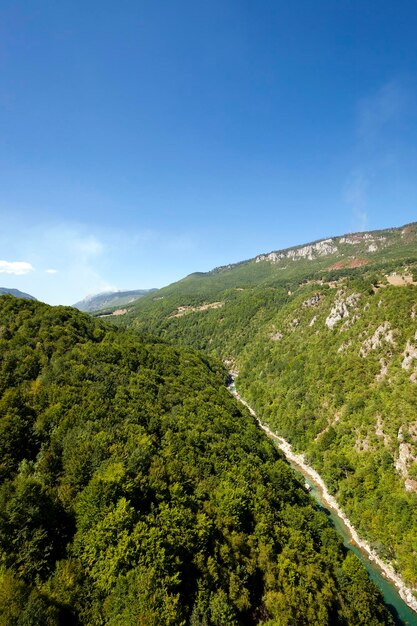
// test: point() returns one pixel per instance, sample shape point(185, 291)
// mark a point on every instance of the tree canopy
point(135, 490)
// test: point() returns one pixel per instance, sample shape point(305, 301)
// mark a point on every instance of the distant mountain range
point(110, 300)
point(16, 293)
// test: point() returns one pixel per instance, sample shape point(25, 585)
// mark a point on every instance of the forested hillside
point(325, 343)
point(134, 490)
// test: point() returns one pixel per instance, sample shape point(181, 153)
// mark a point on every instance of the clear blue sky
point(144, 140)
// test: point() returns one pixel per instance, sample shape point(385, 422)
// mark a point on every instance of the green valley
point(135, 490)
point(208, 409)
point(324, 339)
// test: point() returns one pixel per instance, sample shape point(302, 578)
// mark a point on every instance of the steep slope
point(16, 293)
point(134, 489)
point(326, 350)
point(110, 300)
point(336, 373)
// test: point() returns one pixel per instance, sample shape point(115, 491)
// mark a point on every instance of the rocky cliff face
point(367, 242)
point(310, 252)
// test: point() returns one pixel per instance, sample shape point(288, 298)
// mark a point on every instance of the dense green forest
point(326, 350)
point(135, 490)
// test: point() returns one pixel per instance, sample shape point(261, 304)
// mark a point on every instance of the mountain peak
point(109, 300)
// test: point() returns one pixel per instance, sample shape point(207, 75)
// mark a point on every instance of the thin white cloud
point(379, 109)
point(15, 267)
point(51, 271)
point(377, 123)
point(355, 194)
point(152, 240)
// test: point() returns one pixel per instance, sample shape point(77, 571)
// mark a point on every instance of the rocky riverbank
point(298, 459)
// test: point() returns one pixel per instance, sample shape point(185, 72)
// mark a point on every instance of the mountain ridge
point(16, 293)
point(109, 299)
point(286, 250)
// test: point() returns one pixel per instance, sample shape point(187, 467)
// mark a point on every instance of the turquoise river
point(402, 613)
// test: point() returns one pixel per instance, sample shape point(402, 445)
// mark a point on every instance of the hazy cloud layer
point(68, 260)
point(377, 151)
point(78, 256)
